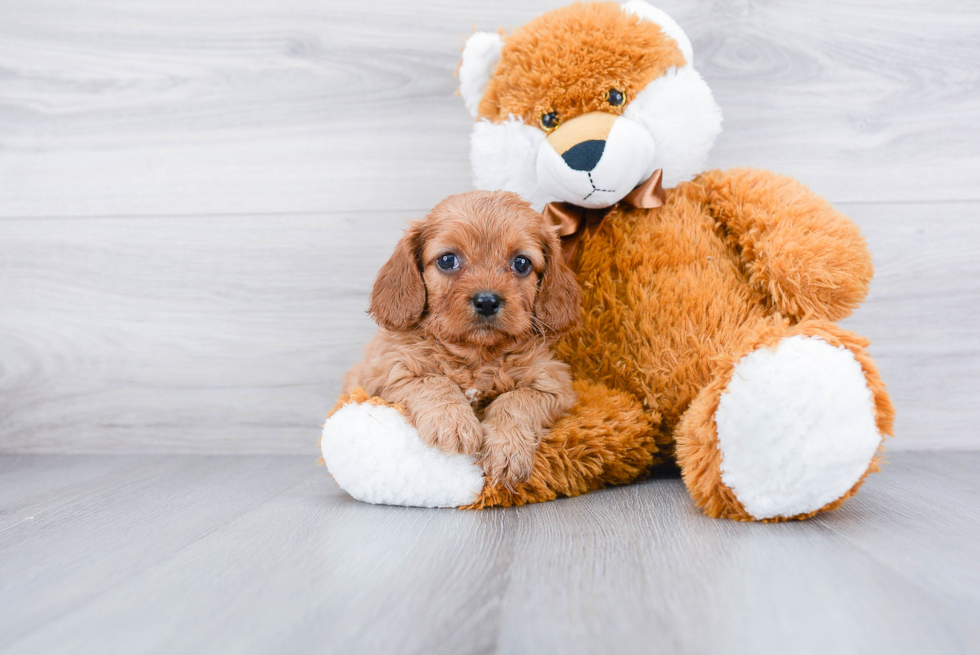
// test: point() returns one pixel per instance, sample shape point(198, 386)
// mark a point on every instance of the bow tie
point(574, 221)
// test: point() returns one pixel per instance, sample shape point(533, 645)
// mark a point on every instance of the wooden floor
point(264, 554)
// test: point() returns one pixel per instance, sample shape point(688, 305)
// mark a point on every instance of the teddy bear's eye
point(550, 120)
point(615, 97)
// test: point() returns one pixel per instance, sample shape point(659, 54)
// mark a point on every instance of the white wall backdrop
point(195, 196)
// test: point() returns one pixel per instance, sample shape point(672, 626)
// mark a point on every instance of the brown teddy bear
point(708, 298)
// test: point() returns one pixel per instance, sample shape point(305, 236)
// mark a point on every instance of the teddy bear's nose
point(584, 156)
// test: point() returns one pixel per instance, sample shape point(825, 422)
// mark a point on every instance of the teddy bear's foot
point(787, 430)
point(376, 456)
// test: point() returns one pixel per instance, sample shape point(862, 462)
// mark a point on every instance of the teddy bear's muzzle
point(594, 160)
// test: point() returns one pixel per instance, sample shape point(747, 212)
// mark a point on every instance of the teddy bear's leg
point(790, 425)
point(607, 438)
point(376, 456)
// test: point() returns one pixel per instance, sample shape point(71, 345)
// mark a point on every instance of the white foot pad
point(376, 456)
point(796, 427)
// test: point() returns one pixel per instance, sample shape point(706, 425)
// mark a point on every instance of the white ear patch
point(480, 57)
point(666, 23)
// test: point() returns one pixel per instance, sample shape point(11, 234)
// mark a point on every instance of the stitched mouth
point(595, 188)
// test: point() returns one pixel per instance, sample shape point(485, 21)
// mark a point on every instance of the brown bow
point(574, 221)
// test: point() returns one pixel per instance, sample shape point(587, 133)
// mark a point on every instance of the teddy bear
point(708, 338)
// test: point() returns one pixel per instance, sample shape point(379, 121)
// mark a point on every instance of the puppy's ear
point(557, 305)
point(398, 297)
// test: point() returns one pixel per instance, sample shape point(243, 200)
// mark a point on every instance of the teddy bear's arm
point(808, 258)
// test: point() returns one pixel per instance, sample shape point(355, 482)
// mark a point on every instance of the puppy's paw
point(508, 453)
point(452, 429)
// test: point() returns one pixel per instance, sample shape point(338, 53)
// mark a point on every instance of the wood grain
point(182, 334)
point(195, 198)
point(923, 317)
point(139, 107)
point(702, 586)
point(27, 476)
point(79, 541)
point(890, 525)
point(231, 334)
point(264, 555)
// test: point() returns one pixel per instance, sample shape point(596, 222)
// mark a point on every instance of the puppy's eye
point(616, 97)
point(550, 120)
point(448, 262)
point(521, 265)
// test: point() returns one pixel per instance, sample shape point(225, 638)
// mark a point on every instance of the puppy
point(467, 306)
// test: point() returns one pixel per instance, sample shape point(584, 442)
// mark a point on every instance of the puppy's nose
point(584, 156)
point(486, 303)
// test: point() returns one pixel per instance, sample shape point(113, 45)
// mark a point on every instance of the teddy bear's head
point(584, 103)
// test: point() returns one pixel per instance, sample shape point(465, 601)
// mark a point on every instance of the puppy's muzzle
point(486, 303)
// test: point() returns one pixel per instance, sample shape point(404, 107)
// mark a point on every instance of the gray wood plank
point(85, 539)
point(700, 586)
point(148, 108)
point(622, 570)
point(23, 477)
point(940, 508)
point(308, 570)
point(230, 334)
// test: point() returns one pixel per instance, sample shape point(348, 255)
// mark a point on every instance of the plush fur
point(606, 439)
point(740, 273)
point(609, 48)
point(378, 457)
point(729, 257)
point(697, 434)
point(769, 456)
point(473, 383)
point(482, 52)
point(566, 62)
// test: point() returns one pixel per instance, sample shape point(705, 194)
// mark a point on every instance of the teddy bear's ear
point(666, 23)
point(480, 57)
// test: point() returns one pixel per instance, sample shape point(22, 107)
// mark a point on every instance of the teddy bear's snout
point(595, 159)
point(572, 139)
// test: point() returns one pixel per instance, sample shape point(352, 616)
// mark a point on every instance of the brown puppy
point(468, 305)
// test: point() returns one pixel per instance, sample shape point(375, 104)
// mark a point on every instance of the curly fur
point(469, 383)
